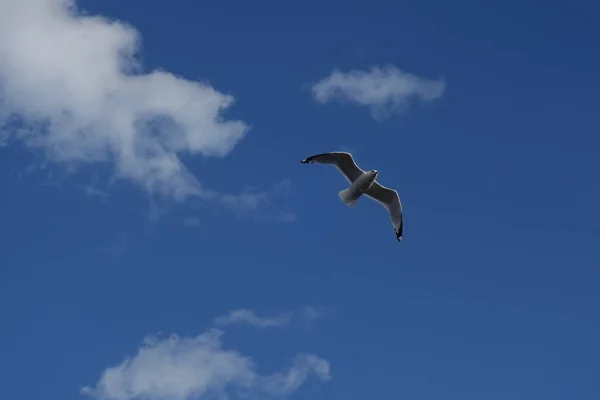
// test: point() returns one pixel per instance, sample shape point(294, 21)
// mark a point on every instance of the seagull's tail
point(344, 195)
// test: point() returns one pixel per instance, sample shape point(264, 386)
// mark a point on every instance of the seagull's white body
point(362, 182)
point(357, 188)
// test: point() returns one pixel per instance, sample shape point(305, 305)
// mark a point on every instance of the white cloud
point(70, 86)
point(287, 382)
point(196, 368)
point(245, 316)
point(384, 90)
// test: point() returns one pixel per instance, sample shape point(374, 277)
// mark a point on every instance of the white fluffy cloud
point(70, 86)
point(199, 367)
point(384, 90)
point(244, 316)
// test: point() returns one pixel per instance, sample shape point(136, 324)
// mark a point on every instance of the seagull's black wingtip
point(398, 235)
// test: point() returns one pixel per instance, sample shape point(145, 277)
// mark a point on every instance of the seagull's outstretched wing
point(343, 161)
point(389, 199)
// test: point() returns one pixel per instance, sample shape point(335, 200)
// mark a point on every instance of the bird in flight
point(362, 182)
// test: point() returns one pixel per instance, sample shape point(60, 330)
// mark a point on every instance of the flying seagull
point(362, 182)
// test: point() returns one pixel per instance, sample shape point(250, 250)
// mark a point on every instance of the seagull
point(362, 182)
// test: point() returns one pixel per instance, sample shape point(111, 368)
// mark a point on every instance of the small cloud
point(192, 222)
point(283, 384)
point(189, 368)
point(93, 192)
point(245, 202)
point(384, 90)
point(249, 317)
point(305, 316)
point(251, 201)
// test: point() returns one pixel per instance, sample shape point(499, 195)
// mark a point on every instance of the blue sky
point(179, 261)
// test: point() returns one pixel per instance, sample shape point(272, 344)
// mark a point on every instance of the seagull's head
point(375, 173)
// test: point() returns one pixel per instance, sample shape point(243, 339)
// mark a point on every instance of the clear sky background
point(160, 240)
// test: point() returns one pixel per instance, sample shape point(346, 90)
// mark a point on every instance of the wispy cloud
point(308, 316)
point(249, 317)
point(93, 192)
point(287, 382)
point(245, 202)
point(251, 200)
point(384, 90)
point(305, 316)
point(155, 211)
point(71, 87)
point(189, 368)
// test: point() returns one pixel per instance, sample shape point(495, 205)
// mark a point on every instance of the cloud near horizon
point(385, 90)
point(189, 368)
point(71, 86)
